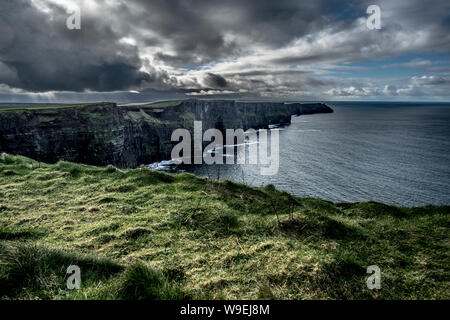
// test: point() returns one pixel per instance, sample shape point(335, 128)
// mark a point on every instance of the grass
point(158, 104)
point(162, 104)
point(142, 234)
point(45, 107)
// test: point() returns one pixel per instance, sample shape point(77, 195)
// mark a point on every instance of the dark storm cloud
point(44, 55)
point(172, 59)
point(215, 80)
point(105, 77)
point(197, 29)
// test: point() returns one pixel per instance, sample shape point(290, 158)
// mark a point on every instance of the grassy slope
point(143, 234)
point(162, 104)
point(5, 108)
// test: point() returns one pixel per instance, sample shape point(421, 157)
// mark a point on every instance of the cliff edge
point(127, 136)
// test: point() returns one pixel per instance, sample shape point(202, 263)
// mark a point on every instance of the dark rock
point(128, 136)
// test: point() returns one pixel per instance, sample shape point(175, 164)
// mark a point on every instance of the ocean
point(390, 152)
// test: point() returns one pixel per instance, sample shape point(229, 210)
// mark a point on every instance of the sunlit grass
point(179, 236)
point(45, 107)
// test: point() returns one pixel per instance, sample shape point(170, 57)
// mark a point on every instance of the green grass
point(143, 234)
point(162, 104)
point(45, 107)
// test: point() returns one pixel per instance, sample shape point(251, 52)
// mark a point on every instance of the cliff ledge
point(128, 136)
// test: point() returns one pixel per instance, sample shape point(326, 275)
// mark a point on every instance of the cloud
point(430, 80)
point(215, 80)
point(413, 64)
point(244, 49)
point(425, 85)
point(210, 92)
point(353, 91)
point(44, 55)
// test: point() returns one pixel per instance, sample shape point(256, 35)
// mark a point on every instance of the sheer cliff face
point(128, 136)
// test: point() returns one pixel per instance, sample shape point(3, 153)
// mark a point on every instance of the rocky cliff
point(127, 136)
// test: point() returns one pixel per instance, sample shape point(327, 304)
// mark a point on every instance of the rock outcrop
point(127, 136)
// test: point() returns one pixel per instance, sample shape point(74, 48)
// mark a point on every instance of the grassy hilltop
point(142, 234)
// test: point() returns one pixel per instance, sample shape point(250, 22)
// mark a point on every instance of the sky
point(291, 50)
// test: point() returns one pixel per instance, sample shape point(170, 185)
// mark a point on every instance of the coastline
point(129, 136)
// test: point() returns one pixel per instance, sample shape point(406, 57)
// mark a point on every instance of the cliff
point(127, 136)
